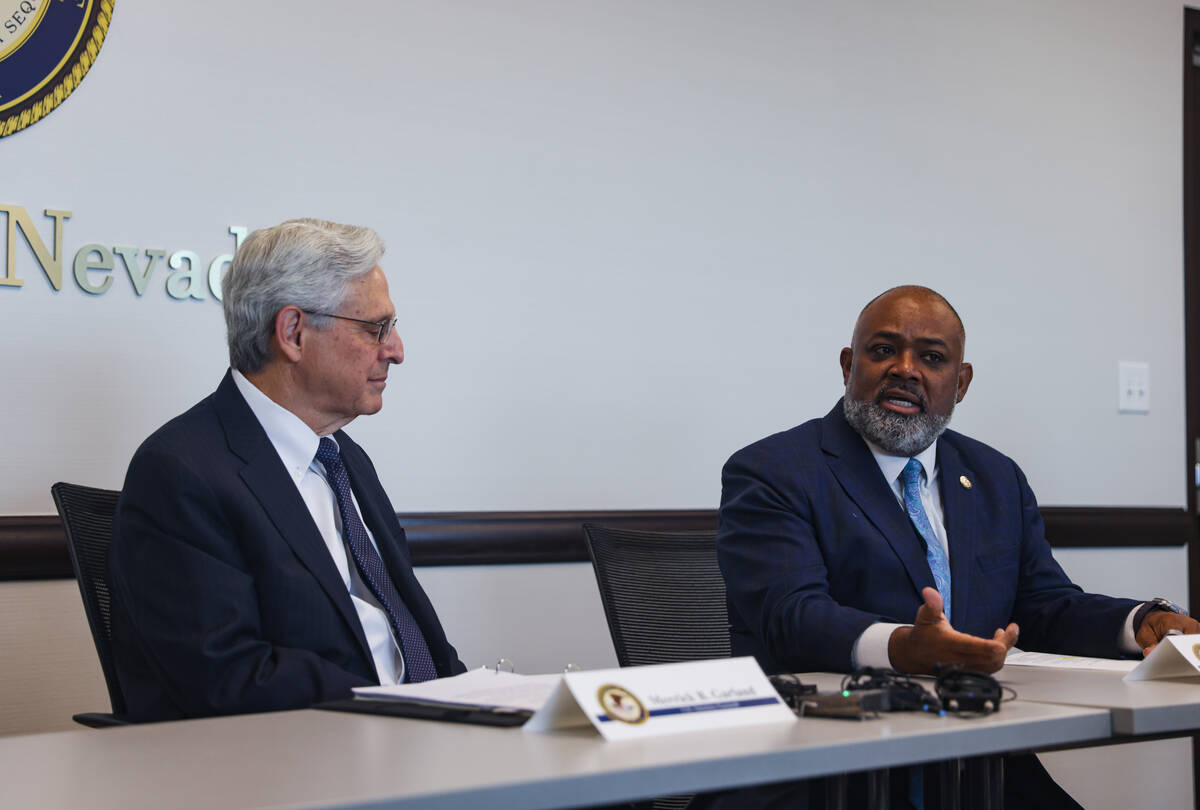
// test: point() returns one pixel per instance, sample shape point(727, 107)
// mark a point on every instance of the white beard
point(893, 432)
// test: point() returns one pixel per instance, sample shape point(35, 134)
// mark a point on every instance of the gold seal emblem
point(1196, 650)
point(966, 482)
point(620, 704)
point(46, 48)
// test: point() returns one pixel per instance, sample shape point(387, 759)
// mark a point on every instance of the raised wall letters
point(139, 278)
point(187, 282)
point(51, 263)
point(216, 270)
point(83, 263)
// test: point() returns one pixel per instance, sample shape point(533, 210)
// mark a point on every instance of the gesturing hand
point(931, 643)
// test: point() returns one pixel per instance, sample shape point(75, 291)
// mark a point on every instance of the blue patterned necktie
point(910, 480)
point(935, 555)
point(418, 663)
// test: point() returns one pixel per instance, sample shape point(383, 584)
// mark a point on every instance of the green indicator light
point(845, 693)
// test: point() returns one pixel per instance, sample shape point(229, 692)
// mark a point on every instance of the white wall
point(540, 617)
point(1133, 572)
point(49, 669)
point(625, 238)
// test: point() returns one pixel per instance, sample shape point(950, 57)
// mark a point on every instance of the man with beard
point(835, 534)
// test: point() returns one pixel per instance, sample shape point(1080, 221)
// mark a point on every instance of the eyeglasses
point(384, 327)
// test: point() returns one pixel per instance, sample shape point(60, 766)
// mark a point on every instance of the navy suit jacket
point(815, 547)
point(225, 598)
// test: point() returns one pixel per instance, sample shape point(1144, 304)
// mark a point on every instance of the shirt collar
point(293, 440)
point(892, 466)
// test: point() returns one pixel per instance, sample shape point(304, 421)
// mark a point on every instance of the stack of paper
point(481, 688)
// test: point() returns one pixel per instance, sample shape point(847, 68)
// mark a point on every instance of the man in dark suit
point(835, 534)
point(256, 562)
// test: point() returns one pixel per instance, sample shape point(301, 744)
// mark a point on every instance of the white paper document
point(1174, 657)
point(476, 687)
point(638, 702)
point(1019, 658)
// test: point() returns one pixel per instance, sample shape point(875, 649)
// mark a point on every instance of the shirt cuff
point(871, 649)
point(1126, 641)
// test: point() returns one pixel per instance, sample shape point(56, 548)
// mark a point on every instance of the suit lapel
point(857, 471)
point(962, 525)
point(268, 481)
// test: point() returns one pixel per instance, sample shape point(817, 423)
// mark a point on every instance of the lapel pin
point(966, 482)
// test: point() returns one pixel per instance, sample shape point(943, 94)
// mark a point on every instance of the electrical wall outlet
point(1133, 387)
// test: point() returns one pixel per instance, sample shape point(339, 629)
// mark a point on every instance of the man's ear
point(846, 358)
point(965, 375)
point(289, 324)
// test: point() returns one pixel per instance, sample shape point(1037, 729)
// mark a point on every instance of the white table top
point(1138, 707)
point(332, 759)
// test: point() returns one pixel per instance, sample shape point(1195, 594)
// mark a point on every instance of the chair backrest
point(663, 594)
point(87, 516)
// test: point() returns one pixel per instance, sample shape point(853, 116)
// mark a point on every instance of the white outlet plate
point(1133, 387)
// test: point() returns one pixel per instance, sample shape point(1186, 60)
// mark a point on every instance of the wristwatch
point(1155, 604)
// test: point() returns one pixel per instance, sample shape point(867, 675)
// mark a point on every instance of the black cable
point(792, 689)
point(904, 692)
point(969, 694)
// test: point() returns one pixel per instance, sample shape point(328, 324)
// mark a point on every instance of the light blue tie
point(910, 479)
point(935, 555)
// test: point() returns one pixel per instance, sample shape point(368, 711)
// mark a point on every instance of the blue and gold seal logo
point(620, 704)
point(46, 48)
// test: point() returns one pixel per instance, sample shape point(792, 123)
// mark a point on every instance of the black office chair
point(664, 599)
point(87, 518)
point(663, 594)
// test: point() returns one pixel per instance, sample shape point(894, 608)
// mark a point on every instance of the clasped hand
point(932, 643)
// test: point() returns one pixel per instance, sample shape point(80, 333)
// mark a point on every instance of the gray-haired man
point(257, 563)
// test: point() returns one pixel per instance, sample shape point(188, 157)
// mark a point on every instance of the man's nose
point(905, 365)
point(393, 348)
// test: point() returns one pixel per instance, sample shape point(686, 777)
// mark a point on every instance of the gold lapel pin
point(966, 482)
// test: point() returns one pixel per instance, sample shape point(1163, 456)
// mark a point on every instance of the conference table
point(1138, 708)
point(316, 759)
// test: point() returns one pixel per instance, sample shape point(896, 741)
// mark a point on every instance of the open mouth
point(898, 400)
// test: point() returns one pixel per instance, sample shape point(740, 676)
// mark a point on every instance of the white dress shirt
point(296, 445)
point(871, 648)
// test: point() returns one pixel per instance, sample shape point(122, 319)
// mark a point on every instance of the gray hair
point(308, 263)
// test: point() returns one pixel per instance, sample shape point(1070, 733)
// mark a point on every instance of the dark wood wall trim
point(492, 538)
point(33, 547)
point(1113, 527)
point(1191, 299)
